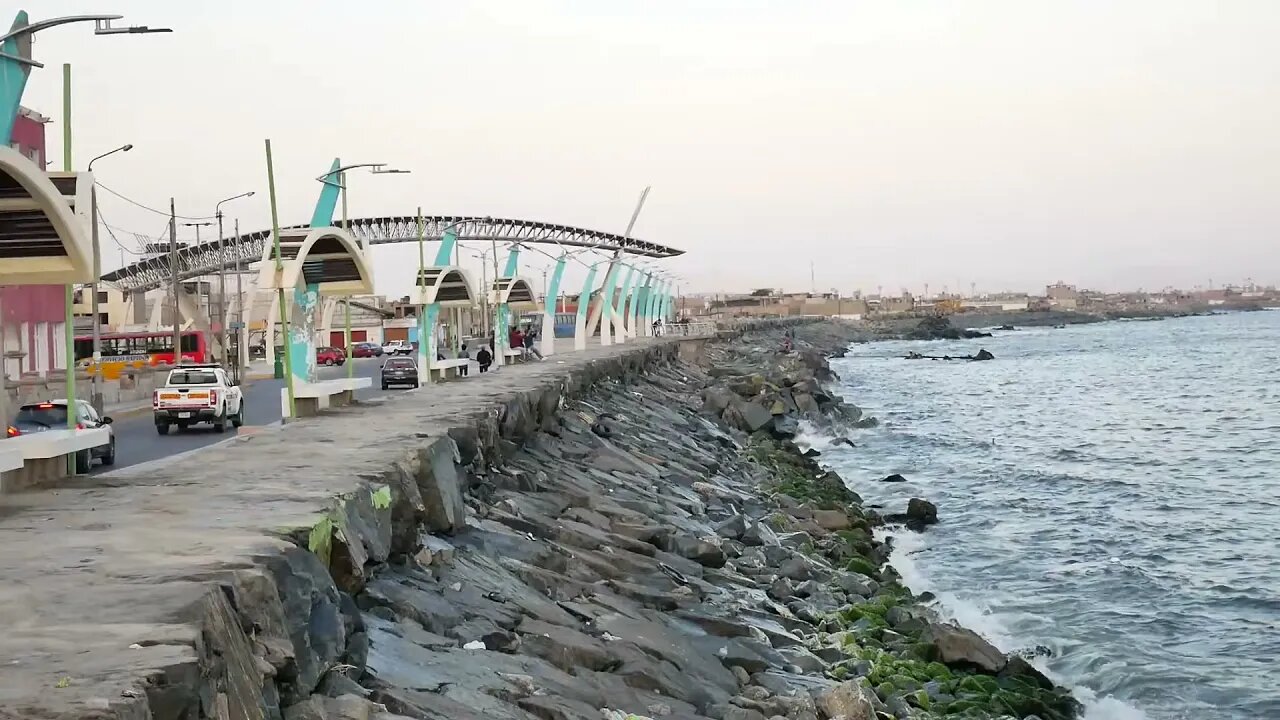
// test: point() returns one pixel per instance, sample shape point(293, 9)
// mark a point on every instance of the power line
point(151, 209)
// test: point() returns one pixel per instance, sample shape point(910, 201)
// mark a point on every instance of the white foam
point(982, 620)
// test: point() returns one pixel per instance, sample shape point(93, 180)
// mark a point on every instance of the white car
point(196, 394)
point(397, 347)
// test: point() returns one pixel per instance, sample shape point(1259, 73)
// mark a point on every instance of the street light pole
point(123, 148)
point(341, 172)
point(223, 335)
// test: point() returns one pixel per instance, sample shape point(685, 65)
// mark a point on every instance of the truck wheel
point(110, 457)
point(162, 428)
point(220, 424)
point(83, 461)
point(237, 420)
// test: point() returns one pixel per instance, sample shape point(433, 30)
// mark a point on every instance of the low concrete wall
point(132, 387)
point(209, 585)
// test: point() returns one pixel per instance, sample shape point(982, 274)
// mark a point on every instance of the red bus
point(121, 351)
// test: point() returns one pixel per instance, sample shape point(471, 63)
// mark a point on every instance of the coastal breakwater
point(625, 533)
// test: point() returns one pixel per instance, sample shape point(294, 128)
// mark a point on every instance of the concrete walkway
point(111, 584)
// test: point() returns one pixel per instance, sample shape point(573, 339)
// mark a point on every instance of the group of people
point(523, 339)
point(520, 338)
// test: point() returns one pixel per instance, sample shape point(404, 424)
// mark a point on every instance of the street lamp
point(222, 286)
point(22, 34)
point(122, 148)
point(341, 173)
point(95, 379)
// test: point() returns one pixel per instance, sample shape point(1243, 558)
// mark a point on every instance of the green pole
point(351, 360)
point(284, 314)
point(424, 347)
point(69, 294)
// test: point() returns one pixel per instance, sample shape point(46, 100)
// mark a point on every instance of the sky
point(797, 144)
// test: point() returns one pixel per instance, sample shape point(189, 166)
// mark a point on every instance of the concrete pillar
point(580, 332)
point(548, 347)
point(633, 309)
point(189, 306)
point(139, 300)
point(619, 315)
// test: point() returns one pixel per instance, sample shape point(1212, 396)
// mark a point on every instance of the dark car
point(52, 415)
point(366, 349)
point(330, 356)
point(399, 371)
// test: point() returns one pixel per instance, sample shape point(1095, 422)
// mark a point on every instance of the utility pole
point(240, 326)
point(813, 284)
point(209, 294)
point(173, 276)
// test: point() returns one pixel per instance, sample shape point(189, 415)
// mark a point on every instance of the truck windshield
point(193, 377)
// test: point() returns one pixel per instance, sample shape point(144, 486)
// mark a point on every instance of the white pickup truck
point(398, 347)
point(197, 394)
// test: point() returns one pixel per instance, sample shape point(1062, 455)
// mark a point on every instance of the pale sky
point(1004, 143)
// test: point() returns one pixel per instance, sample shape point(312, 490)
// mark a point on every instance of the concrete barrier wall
point(132, 387)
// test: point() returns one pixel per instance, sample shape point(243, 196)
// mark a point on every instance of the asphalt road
point(137, 440)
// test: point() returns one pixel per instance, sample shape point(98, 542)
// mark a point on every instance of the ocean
point(1108, 495)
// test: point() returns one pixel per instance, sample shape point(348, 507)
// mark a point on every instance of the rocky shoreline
point(657, 547)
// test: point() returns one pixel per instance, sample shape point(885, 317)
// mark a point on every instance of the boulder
point(785, 426)
point(894, 478)
point(703, 552)
point(758, 534)
point(847, 700)
point(438, 482)
point(733, 528)
point(959, 646)
point(716, 399)
point(754, 416)
point(831, 519)
point(983, 354)
point(921, 512)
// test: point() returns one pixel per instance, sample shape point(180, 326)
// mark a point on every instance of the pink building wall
point(32, 316)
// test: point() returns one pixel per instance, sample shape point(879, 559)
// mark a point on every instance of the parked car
point(330, 356)
point(366, 349)
point(52, 415)
point(398, 347)
point(399, 371)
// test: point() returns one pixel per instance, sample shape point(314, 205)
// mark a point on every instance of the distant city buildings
point(1060, 296)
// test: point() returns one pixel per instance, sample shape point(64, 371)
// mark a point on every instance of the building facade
point(32, 317)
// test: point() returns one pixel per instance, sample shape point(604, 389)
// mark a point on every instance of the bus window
point(190, 343)
point(159, 343)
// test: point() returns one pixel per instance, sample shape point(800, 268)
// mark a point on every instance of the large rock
point(922, 511)
point(847, 700)
point(704, 552)
point(831, 519)
point(754, 416)
point(441, 491)
point(959, 646)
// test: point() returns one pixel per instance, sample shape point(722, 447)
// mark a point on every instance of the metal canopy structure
point(328, 258)
point(44, 223)
point(514, 291)
point(445, 286)
point(205, 258)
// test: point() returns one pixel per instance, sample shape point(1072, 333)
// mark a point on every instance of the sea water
point(1109, 493)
